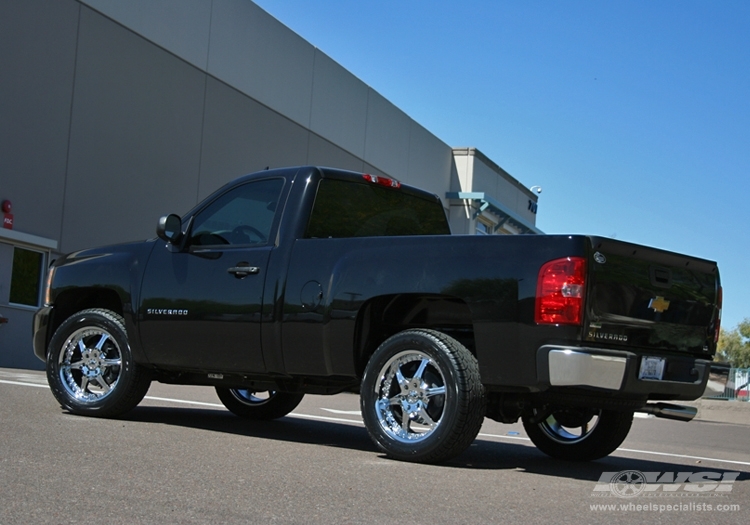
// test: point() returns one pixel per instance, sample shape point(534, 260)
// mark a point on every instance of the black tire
point(422, 399)
point(258, 405)
point(561, 436)
point(90, 368)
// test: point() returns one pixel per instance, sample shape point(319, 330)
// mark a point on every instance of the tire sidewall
point(609, 433)
point(100, 320)
point(276, 406)
point(436, 350)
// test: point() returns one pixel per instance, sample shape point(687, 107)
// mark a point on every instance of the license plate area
point(652, 368)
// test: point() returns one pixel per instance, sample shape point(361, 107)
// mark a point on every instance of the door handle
point(242, 270)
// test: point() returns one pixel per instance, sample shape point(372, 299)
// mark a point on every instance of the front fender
point(108, 277)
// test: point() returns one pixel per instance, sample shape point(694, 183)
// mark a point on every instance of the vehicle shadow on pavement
point(481, 455)
point(484, 454)
point(291, 429)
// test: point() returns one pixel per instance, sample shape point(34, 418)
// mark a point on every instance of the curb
point(720, 410)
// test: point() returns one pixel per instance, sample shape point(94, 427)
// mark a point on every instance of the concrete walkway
point(720, 411)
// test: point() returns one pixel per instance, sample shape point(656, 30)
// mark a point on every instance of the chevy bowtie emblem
point(658, 304)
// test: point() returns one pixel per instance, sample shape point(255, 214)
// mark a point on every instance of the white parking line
point(520, 438)
point(326, 418)
point(360, 423)
point(682, 456)
point(183, 401)
point(19, 383)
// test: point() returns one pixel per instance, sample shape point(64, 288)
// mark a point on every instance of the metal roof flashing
point(489, 204)
point(28, 239)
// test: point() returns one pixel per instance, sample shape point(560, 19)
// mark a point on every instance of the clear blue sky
point(633, 116)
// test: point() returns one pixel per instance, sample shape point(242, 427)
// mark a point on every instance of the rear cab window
point(347, 208)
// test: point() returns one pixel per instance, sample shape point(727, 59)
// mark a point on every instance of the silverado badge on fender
point(165, 311)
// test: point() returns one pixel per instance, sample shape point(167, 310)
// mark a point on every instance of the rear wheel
point(579, 434)
point(258, 405)
point(90, 369)
point(421, 397)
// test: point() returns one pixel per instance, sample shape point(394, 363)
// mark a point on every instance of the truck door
point(201, 304)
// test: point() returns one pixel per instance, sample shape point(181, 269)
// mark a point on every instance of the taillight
point(560, 290)
point(719, 301)
point(383, 181)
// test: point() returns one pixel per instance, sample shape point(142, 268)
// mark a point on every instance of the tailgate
point(649, 299)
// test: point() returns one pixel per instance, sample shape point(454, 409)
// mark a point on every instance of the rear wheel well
point(384, 316)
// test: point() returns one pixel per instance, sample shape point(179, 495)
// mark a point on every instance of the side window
point(243, 215)
point(26, 277)
point(482, 228)
point(352, 209)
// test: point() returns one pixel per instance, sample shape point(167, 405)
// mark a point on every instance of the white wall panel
point(256, 54)
point(179, 26)
point(241, 136)
point(522, 207)
point(430, 161)
point(37, 61)
point(464, 164)
point(321, 152)
point(485, 180)
point(135, 136)
point(339, 105)
point(387, 139)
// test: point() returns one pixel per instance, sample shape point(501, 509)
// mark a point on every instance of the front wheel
point(579, 434)
point(90, 369)
point(258, 405)
point(422, 399)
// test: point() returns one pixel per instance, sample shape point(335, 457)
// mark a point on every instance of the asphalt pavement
point(180, 457)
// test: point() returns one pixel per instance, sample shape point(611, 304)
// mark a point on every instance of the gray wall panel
point(324, 153)
point(430, 161)
point(339, 105)
point(6, 272)
point(38, 42)
point(255, 53)
point(135, 136)
point(181, 26)
point(242, 136)
point(15, 341)
point(387, 140)
point(369, 168)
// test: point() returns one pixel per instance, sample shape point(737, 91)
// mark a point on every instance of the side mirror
point(170, 228)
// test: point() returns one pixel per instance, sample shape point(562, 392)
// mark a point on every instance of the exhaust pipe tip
point(667, 411)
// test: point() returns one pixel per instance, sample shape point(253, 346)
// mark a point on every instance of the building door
point(21, 281)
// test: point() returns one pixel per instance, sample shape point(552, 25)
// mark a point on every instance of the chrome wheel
point(421, 396)
point(254, 404)
point(90, 369)
point(410, 396)
point(89, 364)
point(568, 432)
point(252, 397)
point(578, 434)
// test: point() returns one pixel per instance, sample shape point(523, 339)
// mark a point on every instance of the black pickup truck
point(315, 280)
